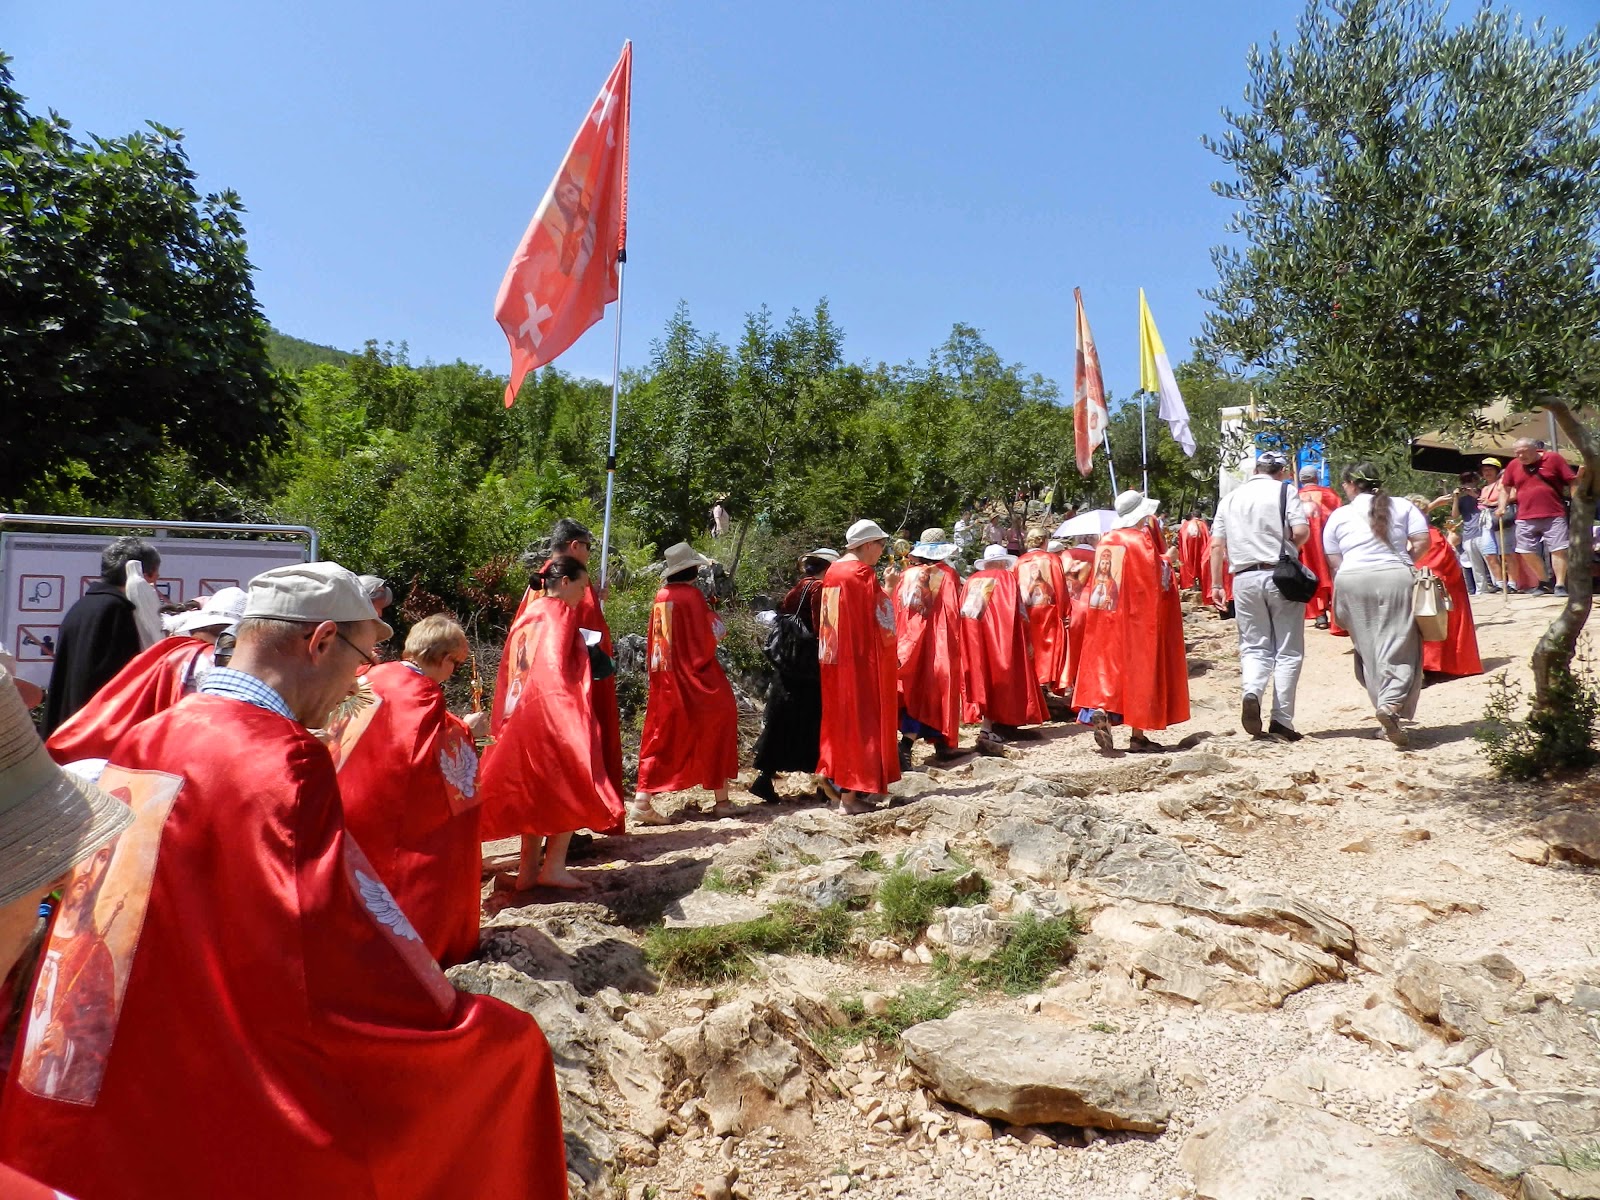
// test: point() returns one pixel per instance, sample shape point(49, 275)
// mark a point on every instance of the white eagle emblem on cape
point(459, 766)
point(383, 908)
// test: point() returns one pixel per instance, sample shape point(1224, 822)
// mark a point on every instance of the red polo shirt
point(1537, 496)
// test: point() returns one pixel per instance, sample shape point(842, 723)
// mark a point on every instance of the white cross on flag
point(564, 272)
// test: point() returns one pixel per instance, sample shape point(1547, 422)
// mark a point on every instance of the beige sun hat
point(1133, 507)
point(50, 821)
point(862, 532)
point(32, 694)
point(935, 545)
point(682, 557)
point(824, 554)
point(313, 593)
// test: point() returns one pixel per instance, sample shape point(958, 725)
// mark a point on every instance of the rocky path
point(1333, 969)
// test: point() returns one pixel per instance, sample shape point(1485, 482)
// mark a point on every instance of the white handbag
point(1430, 606)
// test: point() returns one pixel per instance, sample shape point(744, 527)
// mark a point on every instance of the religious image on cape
point(1033, 578)
point(978, 592)
point(661, 636)
point(1107, 587)
point(828, 629)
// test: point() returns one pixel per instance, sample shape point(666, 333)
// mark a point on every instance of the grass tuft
point(1036, 948)
point(873, 861)
point(724, 951)
point(911, 1006)
point(1580, 1158)
point(906, 904)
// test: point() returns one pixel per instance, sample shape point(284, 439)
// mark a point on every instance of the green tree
point(1418, 206)
point(127, 316)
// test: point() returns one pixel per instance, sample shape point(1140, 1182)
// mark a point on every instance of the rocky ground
point(1334, 970)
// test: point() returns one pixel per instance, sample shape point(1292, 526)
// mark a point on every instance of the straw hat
point(682, 557)
point(49, 820)
point(31, 693)
point(1133, 507)
point(935, 546)
point(311, 593)
point(995, 557)
point(862, 532)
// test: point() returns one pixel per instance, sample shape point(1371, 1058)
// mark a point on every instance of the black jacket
point(97, 638)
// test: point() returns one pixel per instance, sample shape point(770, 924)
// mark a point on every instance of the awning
point(1450, 454)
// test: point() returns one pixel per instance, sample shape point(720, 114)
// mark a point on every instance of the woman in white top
point(1371, 543)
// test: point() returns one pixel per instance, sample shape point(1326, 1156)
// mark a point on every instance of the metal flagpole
point(1111, 466)
point(611, 452)
point(1144, 443)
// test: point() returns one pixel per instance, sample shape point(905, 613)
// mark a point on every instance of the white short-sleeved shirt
point(1247, 519)
point(1348, 534)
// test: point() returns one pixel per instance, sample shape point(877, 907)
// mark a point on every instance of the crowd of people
point(259, 845)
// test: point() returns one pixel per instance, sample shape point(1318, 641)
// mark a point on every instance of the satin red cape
point(927, 603)
point(1043, 587)
point(15, 1186)
point(1129, 659)
point(997, 677)
point(1458, 653)
point(1320, 503)
point(691, 720)
point(1194, 554)
point(545, 773)
point(151, 682)
point(1077, 621)
point(856, 649)
point(410, 787)
point(281, 1030)
point(1172, 658)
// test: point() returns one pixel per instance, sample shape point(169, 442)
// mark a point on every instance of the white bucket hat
point(995, 557)
point(823, 553)
point(1055, 545)
point(1133, 507)
point(935, 545)
point(681, 557)
point(312, 593)
point(49, 821)
point(222, 610)
point(862, 532)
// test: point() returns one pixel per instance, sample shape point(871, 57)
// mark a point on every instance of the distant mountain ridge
point(295, 354)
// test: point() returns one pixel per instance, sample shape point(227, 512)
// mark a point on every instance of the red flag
point(564, 272)
point(1089, 418)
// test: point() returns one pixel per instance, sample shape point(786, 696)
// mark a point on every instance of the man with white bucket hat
point(927, 607)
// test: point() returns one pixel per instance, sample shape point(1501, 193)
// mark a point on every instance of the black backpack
point(792, 645)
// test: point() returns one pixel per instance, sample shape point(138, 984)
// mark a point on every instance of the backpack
point(791, 646)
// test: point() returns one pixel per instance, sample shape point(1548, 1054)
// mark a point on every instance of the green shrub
point(911, 1006)
point(1558, 737)
point(1035, 948)
point(906, 904)
point(724, 951)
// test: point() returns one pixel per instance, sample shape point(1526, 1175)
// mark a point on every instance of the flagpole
point(1144, 442)
point(611, 452)
point(1111, 466)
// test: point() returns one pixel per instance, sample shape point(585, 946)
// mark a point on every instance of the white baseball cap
point(311, 592)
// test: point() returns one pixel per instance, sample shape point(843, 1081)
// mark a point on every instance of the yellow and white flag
point(1155, 376)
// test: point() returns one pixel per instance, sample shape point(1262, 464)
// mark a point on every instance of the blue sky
point(917, 164)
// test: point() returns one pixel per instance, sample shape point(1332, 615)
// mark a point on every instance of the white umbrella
point(1095, 523)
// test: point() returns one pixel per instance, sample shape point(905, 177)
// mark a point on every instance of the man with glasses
point(323, 1051)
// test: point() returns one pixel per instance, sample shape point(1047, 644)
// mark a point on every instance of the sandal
point(646, 814)
point(1100, 723)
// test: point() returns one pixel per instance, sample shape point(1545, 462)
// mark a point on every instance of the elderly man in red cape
point(1320, 503)
point(277, 1028)
point(691, 720)
point(927, 602)
point(1457, 655)
point(408, 771)
point(154, 680)
point(997, 676)
point(1043, 587)
point(1133, 665)
point(856, 649)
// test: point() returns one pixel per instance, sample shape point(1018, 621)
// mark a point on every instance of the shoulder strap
point(1283, 512)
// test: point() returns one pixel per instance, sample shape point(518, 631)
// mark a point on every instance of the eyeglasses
point(367, 658)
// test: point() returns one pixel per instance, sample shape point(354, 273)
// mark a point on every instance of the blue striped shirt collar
point(237, 685)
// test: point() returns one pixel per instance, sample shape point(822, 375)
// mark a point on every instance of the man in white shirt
point(1254, 524)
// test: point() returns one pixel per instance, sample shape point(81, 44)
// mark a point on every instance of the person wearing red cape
point(997, 676)
point(1076, 563)
point(1043, 587)
point(153, 680)
point(1133, 667)
point(927, 603)
point(1457, 655)
point(276, 1028)
point(856, 650)
point(408, 772)
point(1194, 553)
point(544, 777)
point(1320, 503)
point(691, 720)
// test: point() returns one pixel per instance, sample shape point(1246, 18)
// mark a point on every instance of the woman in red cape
point(1172, 658)
point(1194, 553)
point(856, 650)
point(408, 772)
point(1127, 673)
point(1458, 653)
point(691, 720)
point(927, 603)
point(152, 681)
point(1320, 503)
point(1076, 563)
point(1043, 587)
point(545, 775)
point(997, 651)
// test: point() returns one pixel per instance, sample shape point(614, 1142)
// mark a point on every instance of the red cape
point(408, 772)
point(1458, 653)
point(151, 682)
point(856, 649)
point(1128, 656)
point(1043, 587)
point(545, 773)
point(691, 720)
point(997, 674)
point(1320, 503)
point(1077, 622)
point(276, 1027)
point(1194, 554)
point(1172, 659)
point(928, 646)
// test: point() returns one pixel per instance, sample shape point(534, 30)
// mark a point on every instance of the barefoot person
point(408, 771)
point(691, 720)
point(545, 777)
point(856, 647)
point(278, 1028)
point(927, 608)
point(998, 679)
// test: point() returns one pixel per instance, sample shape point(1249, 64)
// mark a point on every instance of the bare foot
point(854, 805)
point(563, 879)
point(726, 808)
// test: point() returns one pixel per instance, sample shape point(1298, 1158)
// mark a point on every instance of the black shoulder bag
point(792, 645)
point(1293, 578)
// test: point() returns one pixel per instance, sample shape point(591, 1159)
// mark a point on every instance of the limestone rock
point(747, 1074)
point(1573, 836)
point(836, 881)
point(703, 910)
point(1548, 1181)
point(1506, 1132)
point(974, 933)
point(1264, 1149)
point(1028, 1071)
